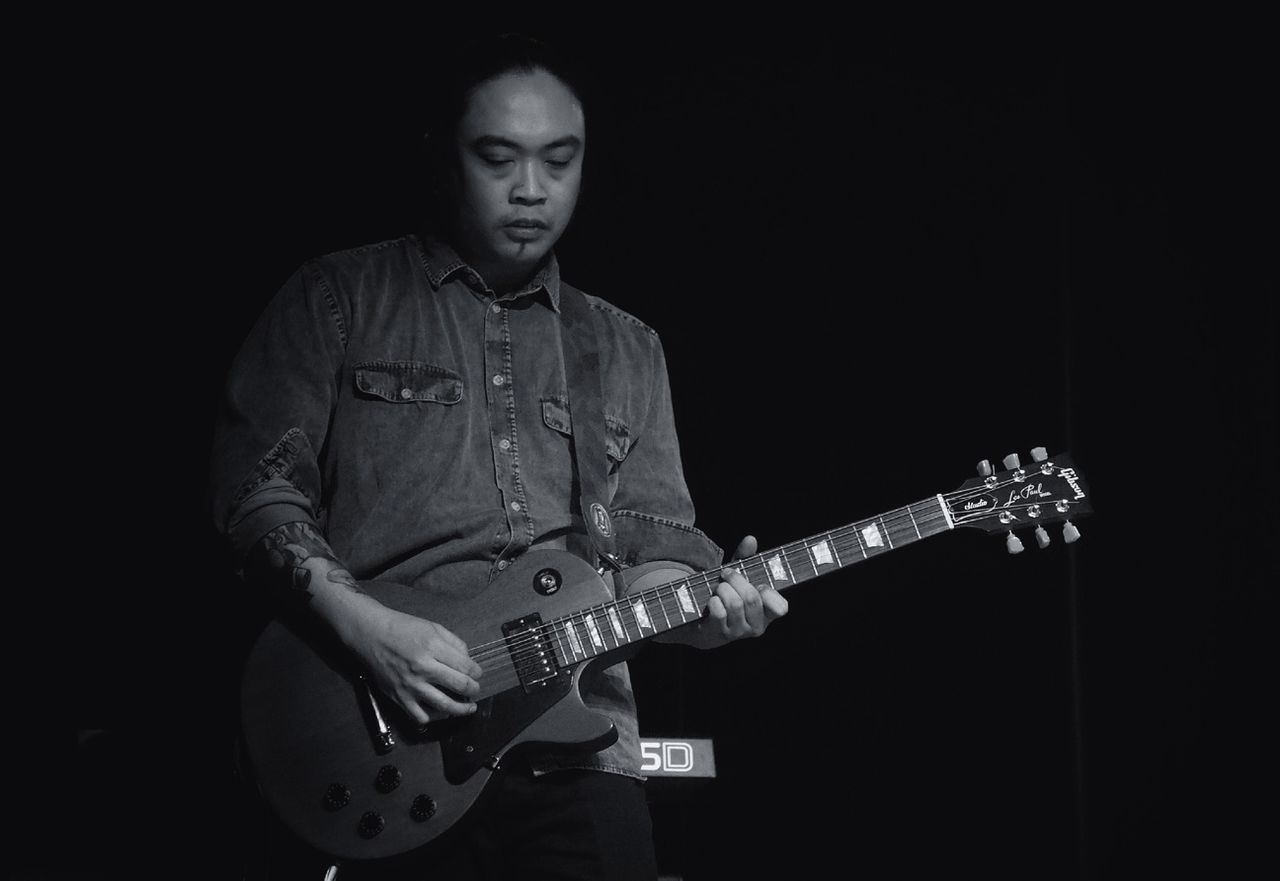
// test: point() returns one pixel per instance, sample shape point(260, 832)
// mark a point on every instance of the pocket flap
point(617, 437)
point(405, 381)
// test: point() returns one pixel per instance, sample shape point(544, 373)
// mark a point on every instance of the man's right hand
point(418, 663)
point(421, 665)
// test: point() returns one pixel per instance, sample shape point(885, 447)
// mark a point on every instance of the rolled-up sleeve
point(274, 414)
point(652, 510)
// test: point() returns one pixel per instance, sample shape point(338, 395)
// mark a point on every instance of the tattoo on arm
point(277, 559)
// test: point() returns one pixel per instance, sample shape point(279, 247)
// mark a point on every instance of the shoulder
point(613, 318)
point(364, 259)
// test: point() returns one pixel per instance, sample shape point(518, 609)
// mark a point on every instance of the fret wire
point(834, 550)
point(885, 529)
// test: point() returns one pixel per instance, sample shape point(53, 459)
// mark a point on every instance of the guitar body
point(311, 725)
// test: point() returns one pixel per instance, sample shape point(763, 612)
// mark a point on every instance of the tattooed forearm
point(278, 557)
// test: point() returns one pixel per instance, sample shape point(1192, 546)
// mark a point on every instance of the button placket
point(502, 423)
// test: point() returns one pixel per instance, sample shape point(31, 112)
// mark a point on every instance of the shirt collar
point(442, 263)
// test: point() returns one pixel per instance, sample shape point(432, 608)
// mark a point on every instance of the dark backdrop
point(873, 263)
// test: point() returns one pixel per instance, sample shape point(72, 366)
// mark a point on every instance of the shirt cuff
point(643, 538)
point(272, 504)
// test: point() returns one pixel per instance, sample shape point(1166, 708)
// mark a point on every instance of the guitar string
point(509, 673)
point(526, 647)
point(665, 595)
point(792, 549)
point(792, 553)
point(506, 674)
point(801, 548)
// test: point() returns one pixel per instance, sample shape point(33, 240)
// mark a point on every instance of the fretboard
point(608, 626)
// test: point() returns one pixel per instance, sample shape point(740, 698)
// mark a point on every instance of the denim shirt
point(389, 398)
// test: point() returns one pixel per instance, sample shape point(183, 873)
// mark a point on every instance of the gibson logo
point(1069, 475)
point(969, 506)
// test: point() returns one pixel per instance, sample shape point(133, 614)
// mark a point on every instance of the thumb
point(746, 548)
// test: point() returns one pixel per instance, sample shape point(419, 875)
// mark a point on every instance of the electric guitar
point(352, 775)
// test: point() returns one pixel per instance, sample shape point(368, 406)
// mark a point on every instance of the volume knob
point(388, 778)
point(336, 797)
point(423, 808)
point(370, 825)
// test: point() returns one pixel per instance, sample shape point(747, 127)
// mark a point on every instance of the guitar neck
point(646, 614)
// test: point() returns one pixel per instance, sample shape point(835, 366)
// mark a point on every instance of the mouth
point(526, 229)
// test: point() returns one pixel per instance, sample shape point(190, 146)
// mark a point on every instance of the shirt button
point(406, 393)
point(504, 444)
point(515, 506)
point(496, 308)
point(499, 379)
point(502, 564)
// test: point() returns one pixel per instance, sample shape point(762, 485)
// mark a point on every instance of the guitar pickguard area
point(481, 740)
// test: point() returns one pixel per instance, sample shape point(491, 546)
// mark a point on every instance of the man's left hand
point(738, 609)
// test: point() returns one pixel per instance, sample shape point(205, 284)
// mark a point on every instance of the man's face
point(520, 146)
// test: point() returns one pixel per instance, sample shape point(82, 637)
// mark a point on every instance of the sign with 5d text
point(688, 757)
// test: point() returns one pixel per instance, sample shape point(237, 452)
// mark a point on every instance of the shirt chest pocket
point(617, 434)
point(403, 431)
point(407, 382)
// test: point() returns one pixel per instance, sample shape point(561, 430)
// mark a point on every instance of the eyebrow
point(485, 141)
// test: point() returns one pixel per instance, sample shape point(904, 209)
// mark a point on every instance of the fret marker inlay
point(594, 631)
point(871, 535)
point(776, 570)
point(822, 553)
point(686, 600)
point(642, 615)
point(573, 640)
point(617, 624)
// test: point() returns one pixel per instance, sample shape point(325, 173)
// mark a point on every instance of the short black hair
point(456, 76)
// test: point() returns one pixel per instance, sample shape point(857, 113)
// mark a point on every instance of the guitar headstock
point(1047, 490)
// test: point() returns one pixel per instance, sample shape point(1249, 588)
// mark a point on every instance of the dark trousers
point(563, 825)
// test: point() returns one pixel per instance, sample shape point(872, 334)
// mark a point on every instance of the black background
point(873, 261)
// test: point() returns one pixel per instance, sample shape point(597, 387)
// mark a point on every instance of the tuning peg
point(1042, 537)
point(1011, 462)
point(1013, 544)
point(984, 468)
point(1069, 533)
point(1039, 454)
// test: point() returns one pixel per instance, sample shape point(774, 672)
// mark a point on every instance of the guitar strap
point(583, 375)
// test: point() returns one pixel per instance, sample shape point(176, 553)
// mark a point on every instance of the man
point(402, 412)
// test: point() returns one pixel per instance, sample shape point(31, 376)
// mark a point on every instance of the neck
point(502, 276)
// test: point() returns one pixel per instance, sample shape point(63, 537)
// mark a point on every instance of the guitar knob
point(1039, 454)
point(1042, 537)
point(984, 468)
point(336, 797)
point(1013, 544)
point(370, 825)
point(424, 806)
point(1011, 462)
point(1070, 533)
point(388, 778)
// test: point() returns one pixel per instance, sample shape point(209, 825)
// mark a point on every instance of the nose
point(529, 188)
